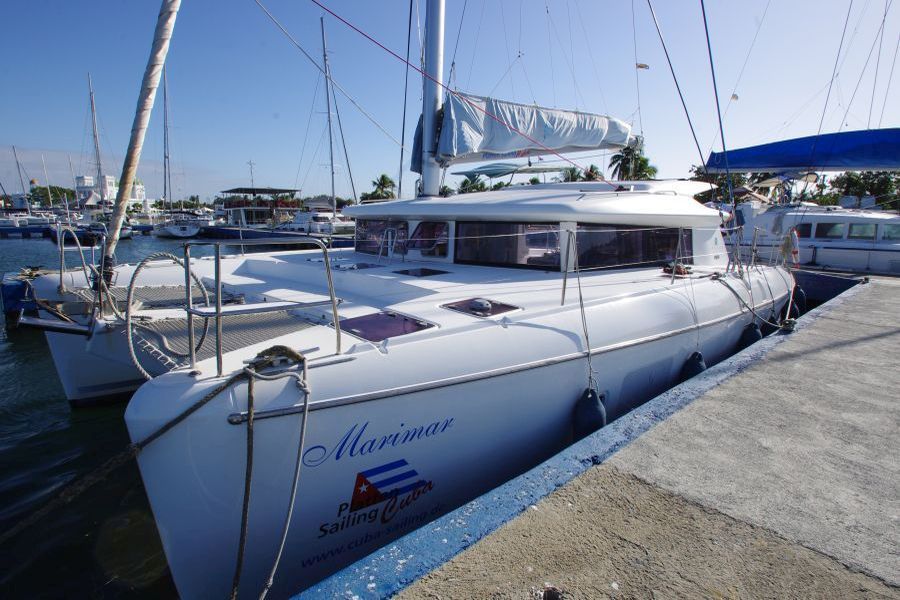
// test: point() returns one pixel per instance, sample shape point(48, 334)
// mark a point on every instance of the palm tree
point(472, 184)
point(446, 191)
point(630, 163)
point(571, 174)
point(384, 188)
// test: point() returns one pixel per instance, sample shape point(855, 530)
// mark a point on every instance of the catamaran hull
point(460, 439)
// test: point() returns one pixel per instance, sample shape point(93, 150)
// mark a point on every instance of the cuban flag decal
point(382, 482)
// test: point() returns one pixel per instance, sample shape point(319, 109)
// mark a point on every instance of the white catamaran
point(372, 389)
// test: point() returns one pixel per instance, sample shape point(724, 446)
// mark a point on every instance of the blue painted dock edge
point(392, 568)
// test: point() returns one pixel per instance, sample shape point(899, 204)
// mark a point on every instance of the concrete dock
point(781, 479)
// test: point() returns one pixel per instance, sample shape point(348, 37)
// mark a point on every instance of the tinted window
point(624, 247)
point(890, 232)
point(430, 237)
point(373, 236)
point(829, 230)
point(533, 245)
point(861, 231)
point(803, 230)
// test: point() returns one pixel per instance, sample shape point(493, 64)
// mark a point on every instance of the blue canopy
point(867, 150)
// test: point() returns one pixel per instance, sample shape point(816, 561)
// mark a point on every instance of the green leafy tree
point(720, 180)
point(499, 185)
point(534, 181)
point(472, 184)
point(630, 163)
point(446, 191)
point(384, 188)
point(884, 185)
point(38, 194)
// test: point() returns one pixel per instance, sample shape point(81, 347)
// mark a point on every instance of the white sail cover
point(470, 135)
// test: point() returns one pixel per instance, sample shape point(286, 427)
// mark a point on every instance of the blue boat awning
point(868, 150)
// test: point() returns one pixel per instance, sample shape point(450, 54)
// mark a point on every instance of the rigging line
point(406, 96)
point(461, 97)
point(344, 144)
point(593, 61)
point(297, 45)
point(637, 81)
point(865, 66)
point(833, 75)
point(743, 67)
point(527, 80)
point(474, 46)
point(570, 62)
point(677, 85)
point(890, 79)
point(859, 21)
point(877, 66)
point(572, 53)
point(502, 77)
point(712, 70)
point(313, 160)
point(506, 47)
point(452, 76)
point(306, 134)
point(550, 53)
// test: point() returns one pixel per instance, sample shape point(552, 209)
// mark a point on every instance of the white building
point(108, 190)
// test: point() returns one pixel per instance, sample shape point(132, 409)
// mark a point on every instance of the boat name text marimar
point(316, 455)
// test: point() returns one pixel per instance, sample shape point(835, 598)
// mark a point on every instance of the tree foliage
point(383, 189)
point(471, 184)
point(630, 163)
point(38, 195)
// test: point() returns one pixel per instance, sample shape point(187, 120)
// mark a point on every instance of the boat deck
point(776, 475)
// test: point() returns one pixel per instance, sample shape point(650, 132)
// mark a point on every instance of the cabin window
point(804, 230)
point(376, 236)
point(531, 245)
point(830, 230)
point(430, 238)
point(890, 232)
point(629, 247)
point(861, 231)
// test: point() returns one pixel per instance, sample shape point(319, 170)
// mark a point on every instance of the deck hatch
point(421, 272)
point(379, 326)
point(480, 307)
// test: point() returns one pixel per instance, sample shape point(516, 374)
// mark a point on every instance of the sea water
point(103, 544)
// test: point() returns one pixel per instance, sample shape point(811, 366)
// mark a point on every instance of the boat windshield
point(530, 245)
point(375, 236)
point(629, 247)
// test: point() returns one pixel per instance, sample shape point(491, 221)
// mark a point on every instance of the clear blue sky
point(239, 91)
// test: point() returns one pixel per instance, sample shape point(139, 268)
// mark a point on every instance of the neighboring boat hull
point(177, 230)
point(843, 255)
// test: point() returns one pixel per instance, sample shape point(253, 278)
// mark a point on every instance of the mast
point(96, 141)
point(328, 112)
point(47, 180)
point(167, 174)
point(164, 26)
point(22, 181)
point(433, 97)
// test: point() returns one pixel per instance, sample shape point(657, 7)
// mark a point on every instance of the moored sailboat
point(445, 352)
